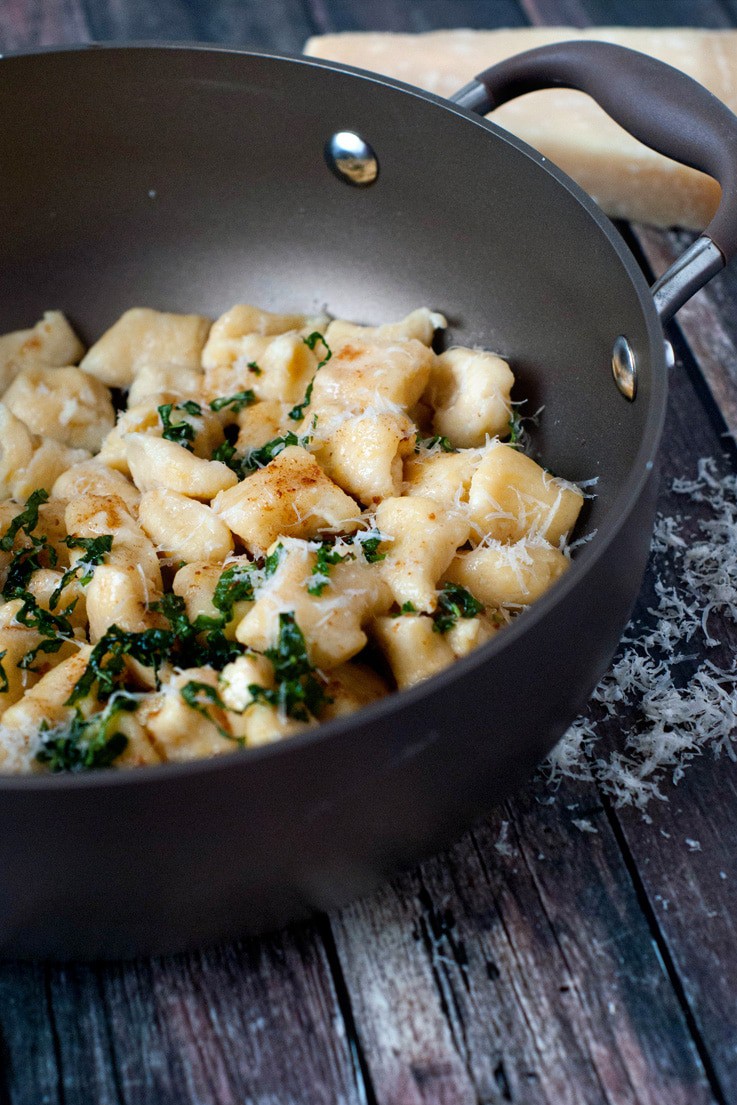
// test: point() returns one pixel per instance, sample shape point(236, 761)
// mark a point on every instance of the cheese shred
point(676, 708)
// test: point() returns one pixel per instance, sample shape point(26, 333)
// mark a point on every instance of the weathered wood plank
point(29, 1038)
point(690, 878)
point(126, 20)
point(611, 13)
point(37, 23)
point(256, 1022)
point(282, 25)
point(245, 1023)
point(410, 15)
point(540, 961)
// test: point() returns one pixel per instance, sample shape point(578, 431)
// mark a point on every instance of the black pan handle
point(659, 105)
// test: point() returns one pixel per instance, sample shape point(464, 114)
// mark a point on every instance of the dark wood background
point(571, 966)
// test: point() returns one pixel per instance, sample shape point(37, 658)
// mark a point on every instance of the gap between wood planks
point(361, 1072)
point(661, 945)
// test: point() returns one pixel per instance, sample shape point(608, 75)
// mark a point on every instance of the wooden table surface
point(564, 966)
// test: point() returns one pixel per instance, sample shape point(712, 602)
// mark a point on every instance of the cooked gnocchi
point(213, 535)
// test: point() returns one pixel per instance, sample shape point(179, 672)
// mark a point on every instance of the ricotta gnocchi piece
point(210, 531)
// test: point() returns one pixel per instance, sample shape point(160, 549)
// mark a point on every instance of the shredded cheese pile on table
point(679, 708)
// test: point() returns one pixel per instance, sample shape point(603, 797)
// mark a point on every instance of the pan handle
point(659, 105)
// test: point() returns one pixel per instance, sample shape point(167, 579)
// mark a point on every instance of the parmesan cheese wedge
point(626, 179)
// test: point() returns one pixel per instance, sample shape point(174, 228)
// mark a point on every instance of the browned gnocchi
point(213, 534)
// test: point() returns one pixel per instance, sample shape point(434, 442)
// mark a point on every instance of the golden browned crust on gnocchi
point(280, 519)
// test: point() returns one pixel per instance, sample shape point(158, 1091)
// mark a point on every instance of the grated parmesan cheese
point(676, 718)
point(503, 845)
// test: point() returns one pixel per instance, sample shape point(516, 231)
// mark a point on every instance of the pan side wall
point(255, 843)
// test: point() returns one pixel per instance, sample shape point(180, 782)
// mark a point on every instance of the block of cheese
point(626, 179)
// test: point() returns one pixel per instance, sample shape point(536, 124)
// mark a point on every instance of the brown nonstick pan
point(189, 179)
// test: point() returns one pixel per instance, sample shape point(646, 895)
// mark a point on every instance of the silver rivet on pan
point(624, 367)
point(351, 158)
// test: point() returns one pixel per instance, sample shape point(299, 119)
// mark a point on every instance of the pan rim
point(626, 501)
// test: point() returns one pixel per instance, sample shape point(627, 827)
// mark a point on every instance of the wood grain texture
point(250, 1023)
point(654, 13)
point(411, 15)
point(25, 23)
point(525, 975)
point(277, 25)
point(689, 875)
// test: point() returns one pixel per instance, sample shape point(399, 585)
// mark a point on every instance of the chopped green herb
point(226, 454)
point(311, 341)
point(238, 402)
point(106, 664)
point(437, 441)
point(95, 549)
point(256, 458)
point(184, 644)
point(259, 458)
point(369, 545)
point(24, 563)
point(4, 685)
point(297, 413)
point(182, 433)
point(203, 643)
point(454, 602)
point(190, 407)
point(254, 368)
point(272, 561)
point(197, 695)
point(515, 427)
point(370, 550)
point(327, 555)
point(405, 608)
point(56, 628)
point(188, 648)
point(86, 743)
point(27, 559)
point(27, 520)
point(298, 692)
point(174, 610)
point(215, 650)
point(235, 585)
point(48, 646)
